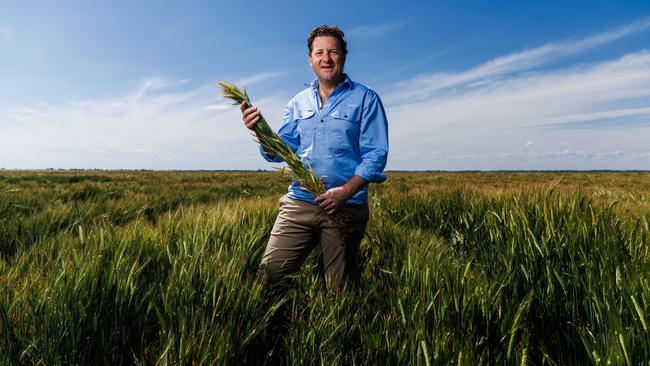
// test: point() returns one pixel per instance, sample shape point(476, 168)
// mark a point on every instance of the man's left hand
point(333, 199)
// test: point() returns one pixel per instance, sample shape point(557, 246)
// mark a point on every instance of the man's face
point(327, 60)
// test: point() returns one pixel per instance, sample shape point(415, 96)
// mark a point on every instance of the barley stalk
point(622, 342)
point(640, 313)
point(272, 143)
point(426, 353)
point(521, 310)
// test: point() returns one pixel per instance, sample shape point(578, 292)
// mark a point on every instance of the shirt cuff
point(372, 177)
point(270, 158)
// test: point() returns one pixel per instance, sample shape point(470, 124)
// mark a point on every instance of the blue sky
point(474, 85)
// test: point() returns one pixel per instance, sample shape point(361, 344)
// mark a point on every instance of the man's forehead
point(325, 42)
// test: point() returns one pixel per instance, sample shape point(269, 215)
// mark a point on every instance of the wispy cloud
point(590, 116)
point(625, 117)
point(162, 124)
point(493, 70)
point(370, 31)
point(258, 78)
point(507, 113)
point(609, 89)
point(153, 84)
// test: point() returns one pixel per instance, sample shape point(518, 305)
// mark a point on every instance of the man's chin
point(330, 77)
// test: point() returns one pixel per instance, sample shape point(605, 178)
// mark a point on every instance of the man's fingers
point(250, 111)
point(251, 117)
point(328, 205)
point(252, 123)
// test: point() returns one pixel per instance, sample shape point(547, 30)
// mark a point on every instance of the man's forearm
point(353, 185)
point(335, 198)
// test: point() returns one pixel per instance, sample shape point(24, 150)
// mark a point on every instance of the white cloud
point(579, 115)
point(258, 78)
point(157, 125)
point(503, 114)
point(492, 71)
point(370, 31)
point(218, 107)
point(606, 115)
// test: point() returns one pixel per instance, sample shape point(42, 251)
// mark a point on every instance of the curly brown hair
point(327, 31)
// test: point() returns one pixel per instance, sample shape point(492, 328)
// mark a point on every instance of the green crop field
point(458, 268)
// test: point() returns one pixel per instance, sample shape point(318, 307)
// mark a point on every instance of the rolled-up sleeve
point(287, 132)
point(373, 140)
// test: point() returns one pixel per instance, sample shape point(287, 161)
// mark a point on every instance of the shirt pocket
point(305, 124)
point(304, 113)
point(343, 131)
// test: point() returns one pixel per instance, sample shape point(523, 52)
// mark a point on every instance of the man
point(339, 127)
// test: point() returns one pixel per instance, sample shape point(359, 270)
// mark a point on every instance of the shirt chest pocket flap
point(303, 114)
point(350, 114)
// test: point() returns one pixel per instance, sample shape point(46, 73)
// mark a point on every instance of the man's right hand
point(250, 115)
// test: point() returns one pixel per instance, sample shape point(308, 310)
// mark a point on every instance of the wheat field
point(149, 268)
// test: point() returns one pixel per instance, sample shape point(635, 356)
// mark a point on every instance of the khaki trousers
point(299, 228)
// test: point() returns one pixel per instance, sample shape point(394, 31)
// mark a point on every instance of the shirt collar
point(346, 81)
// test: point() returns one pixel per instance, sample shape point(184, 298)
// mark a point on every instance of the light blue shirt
point(348, 136)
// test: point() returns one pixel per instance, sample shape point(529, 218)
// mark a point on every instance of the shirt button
point(322, 120)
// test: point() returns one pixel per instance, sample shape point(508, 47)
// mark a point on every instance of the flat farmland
point(131, 267)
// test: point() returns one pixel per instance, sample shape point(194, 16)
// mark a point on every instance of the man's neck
point(324, 92)
point(325, 89)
